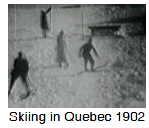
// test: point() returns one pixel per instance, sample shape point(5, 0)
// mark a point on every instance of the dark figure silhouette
point(85, 52)
point(20, 69)
point(44, 23)
point(61, 49)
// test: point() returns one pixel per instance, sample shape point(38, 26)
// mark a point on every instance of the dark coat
point(21, 67)
point(43, 21)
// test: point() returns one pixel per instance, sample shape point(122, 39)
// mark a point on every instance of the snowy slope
point(55, 87)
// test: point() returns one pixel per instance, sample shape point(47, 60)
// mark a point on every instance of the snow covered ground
point(55, 87)
point(70, 87)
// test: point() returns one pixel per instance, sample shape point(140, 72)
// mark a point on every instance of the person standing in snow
point(20, 69)
point(85, 52)
point(44, 23)
point(61, 49)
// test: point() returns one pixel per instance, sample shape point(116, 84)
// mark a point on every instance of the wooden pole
point(82, 26)
point(50, 21)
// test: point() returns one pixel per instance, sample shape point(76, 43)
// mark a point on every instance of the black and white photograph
point(76, 55)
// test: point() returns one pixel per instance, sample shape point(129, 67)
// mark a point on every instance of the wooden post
point(82, 26)
point(50, 20)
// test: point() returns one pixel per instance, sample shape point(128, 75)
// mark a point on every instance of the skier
point(20, 69)
point(61, 49)
point(85, 52)
point(44, 23)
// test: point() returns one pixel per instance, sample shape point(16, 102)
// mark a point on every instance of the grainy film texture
point(78, 56)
